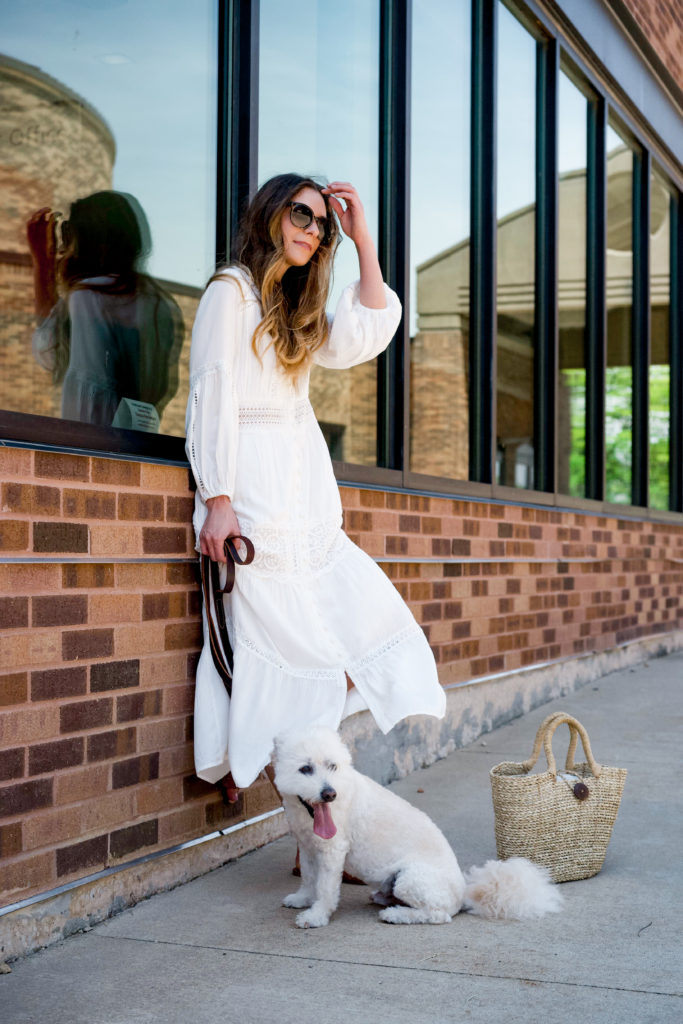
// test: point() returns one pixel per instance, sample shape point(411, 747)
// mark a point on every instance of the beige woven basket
point(561, 820)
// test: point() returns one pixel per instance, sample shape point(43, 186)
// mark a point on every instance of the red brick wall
point(501, 587)
point(97, 659)
point(662, 23)
point(97, 651)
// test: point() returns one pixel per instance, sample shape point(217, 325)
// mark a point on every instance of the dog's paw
point(297, 900)
point(390, 916)
point(312, 918)
point(413, 915)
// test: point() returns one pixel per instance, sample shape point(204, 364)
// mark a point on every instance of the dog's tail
point(515, 889)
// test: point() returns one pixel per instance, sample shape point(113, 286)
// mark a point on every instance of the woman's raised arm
point(354, 224)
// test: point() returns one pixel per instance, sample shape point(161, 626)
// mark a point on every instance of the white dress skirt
point(312, 606)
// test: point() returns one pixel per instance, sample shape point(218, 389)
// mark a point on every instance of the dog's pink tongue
point(323, 825)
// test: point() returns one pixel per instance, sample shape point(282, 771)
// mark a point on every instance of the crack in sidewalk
point(393, 967)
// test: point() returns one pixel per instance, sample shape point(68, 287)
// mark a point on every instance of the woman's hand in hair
point(351, 217)
point(221, 522)
point(354, 224)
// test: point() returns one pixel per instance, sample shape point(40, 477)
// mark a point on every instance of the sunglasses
point(302, 216)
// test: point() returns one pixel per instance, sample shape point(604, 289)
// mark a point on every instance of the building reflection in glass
point(439, 405)
point(516, 208)
point(439, 347)
point(93, 102)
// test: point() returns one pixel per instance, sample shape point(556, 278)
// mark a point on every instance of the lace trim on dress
point(291, 552)
point(330, 674)
point(270, 417)
point(191, 441)
point(379, 652)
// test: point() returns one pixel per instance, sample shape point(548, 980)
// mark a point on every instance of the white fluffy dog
point(343, 820)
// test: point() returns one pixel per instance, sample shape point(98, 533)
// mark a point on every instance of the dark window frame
point(676, 354)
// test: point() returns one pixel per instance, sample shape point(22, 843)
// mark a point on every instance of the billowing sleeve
point(357, 332)
point(211, 423)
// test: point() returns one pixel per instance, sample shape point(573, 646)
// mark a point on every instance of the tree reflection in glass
point(571, 413)
point(660, 358)
point(619, 370)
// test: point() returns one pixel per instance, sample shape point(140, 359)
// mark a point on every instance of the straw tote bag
point(560, 820)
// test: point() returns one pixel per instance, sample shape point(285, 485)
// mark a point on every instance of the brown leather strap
point(219, 641)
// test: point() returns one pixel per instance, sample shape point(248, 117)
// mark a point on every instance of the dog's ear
point(283, 740)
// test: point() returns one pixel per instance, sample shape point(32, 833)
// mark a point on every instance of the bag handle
point(544, 738)
point(538, 742)
point(219, 640)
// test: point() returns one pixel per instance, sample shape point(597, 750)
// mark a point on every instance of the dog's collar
point(308, 807)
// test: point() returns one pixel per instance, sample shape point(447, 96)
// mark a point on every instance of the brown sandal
point(229, 791)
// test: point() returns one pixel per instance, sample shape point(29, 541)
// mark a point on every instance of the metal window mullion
point(545, 255)
point(676, 356)
point(642, 165)
point(483, 242)
point(239, 92)
point(596, 304)
point(394, 223)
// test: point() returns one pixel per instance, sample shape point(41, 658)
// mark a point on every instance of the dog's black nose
point(328, 794)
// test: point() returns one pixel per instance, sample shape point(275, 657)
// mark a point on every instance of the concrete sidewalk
point(222, 949)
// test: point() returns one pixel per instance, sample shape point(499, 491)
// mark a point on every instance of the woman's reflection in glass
point(110, 335)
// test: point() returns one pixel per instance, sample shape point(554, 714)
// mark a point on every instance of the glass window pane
point(516, 210)
point(319, 115)
point(619, 371)
point(113, 106)
point(661, 199)
point(439, 242)
point(571, 412)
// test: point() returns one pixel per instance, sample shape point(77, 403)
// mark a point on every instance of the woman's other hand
point(220, 523)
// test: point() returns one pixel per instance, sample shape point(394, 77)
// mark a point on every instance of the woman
point(312, 606)
point(114, 337)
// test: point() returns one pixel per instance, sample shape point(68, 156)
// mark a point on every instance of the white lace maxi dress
point(312, 605)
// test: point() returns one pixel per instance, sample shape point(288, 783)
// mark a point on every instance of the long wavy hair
point(106, 235)
point(294, 306)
